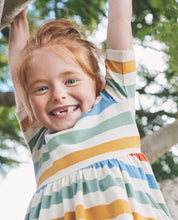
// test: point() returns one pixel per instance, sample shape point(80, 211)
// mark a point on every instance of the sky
point(17, 188)
point(16, 191)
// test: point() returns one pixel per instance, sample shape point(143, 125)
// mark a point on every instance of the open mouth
point(64, 110)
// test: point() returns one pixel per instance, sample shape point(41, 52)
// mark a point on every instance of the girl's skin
point(19, 34)
point(59, 92)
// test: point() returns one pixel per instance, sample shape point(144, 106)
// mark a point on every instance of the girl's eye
point(70, 81)
point(42, 89)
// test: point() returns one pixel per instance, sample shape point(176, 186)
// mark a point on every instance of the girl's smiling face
point(59, 91)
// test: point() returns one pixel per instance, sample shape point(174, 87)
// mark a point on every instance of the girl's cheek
point(34, 103)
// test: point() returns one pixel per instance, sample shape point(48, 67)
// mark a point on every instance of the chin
point(62, 128)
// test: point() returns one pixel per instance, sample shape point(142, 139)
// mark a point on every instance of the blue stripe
point(41, 188)
point(152, 181)
point(134, 172)
point(106, 101)
point(41, 143)
point(34, 140)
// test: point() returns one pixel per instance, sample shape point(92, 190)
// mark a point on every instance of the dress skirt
point(122, 187)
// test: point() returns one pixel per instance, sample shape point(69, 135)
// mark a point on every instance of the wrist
point(120, 10)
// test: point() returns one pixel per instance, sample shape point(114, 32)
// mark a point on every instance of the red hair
point(61, 36)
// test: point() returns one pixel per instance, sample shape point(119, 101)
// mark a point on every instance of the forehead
point(72, 55)
point(53, 58)
point(49, 56)
point(47, 52)
point(45, 60)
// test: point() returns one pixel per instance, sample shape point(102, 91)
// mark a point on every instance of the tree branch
point(151, 115)
point(1, 9)
point(10, 10)
point(156, 144)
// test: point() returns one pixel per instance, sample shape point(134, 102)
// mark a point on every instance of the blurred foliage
point(3, 56)
point(153, 20)
point(90, 14)
point(166, 166)
point(10, 139)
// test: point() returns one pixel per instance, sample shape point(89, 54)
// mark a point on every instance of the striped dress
point(95, 170)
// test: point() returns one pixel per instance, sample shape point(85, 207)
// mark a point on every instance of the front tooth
point(58, 113)
point(70, 109)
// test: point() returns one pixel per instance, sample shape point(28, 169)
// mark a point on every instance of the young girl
point(81, 131)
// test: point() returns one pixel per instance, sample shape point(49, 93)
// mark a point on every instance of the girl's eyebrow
point(70, 72)
point(33, 83)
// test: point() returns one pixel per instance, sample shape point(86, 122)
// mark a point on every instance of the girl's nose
point(59, 95)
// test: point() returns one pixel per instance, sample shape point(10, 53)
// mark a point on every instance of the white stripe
point(147, 210)
point(37, 154)
point(105, 137)
point(110, 195)
point(120, 56)
point(123, 217)
point(82, 164)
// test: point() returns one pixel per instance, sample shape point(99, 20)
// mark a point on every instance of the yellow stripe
point(137, 216)
point(98, 212)
point(122, 68)
point(81, 155)
point(102, 212)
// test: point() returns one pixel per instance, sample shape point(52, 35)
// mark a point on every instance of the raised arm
point(119, 35)
point(19, 33)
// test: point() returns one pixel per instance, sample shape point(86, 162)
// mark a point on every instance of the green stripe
point(87, 187)
point(126, 91)
point(78, 136)
point(33, 141)
point(91, 186)
point(68, 192)
point(45, 157)
point(34, 212)
point(144, 198)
